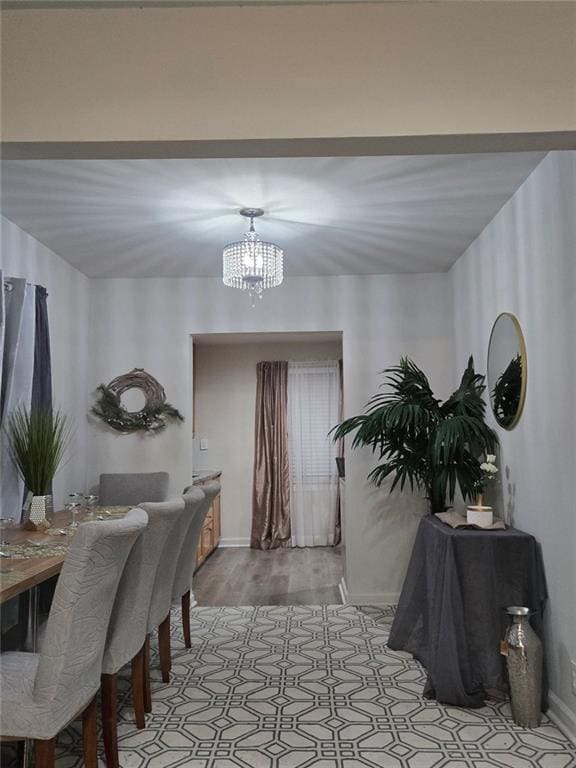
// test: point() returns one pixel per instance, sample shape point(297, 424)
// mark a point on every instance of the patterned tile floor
point(312, 687)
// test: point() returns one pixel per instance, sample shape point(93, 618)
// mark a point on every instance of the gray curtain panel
point(17, 314)
point(16, 386)
point(271, 491)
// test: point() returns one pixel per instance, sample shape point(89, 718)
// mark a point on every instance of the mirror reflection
point(507, 370)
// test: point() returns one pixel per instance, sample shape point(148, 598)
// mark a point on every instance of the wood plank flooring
point(294, 576)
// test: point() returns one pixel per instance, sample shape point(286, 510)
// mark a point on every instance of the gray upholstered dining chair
point(161, 602)
point(128, 625)
point(43, 692)
point(130, 488)
point(187, 560)
point(197, 504)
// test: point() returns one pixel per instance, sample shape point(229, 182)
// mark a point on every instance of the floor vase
point(524, 663)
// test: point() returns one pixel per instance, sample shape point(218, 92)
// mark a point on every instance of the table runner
point(26, 550)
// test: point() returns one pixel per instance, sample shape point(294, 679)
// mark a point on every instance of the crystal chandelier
point(251, 264)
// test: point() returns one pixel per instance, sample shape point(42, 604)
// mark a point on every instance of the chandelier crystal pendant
point(251, 264)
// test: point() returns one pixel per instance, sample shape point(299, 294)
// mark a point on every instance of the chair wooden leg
point(164, 649)
point(186, 619)
point(138, 688)
point(44, 752)
point(108, 686)
point(146, 676)
point(89, 735)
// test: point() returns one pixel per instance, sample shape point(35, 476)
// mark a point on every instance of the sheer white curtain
point(313, 409)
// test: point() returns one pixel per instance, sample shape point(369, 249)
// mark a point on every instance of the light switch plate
point(573, 670)
point(203, 444)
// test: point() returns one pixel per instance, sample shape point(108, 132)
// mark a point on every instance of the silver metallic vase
point(37, 511)
point(524, 662)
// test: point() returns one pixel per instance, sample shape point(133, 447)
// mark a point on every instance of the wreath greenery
point(151, 418)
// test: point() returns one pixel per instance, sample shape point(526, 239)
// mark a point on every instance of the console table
point(451, 613)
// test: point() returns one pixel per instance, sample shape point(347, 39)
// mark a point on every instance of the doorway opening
point(304, 566)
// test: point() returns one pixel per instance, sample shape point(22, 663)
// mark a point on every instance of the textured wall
point(68, 296)
point(524, 262)
point(148, 323)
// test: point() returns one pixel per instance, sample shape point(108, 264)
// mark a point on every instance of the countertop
point(202, 475)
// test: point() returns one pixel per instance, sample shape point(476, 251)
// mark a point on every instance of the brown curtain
point(338, 525)
point(271, 494)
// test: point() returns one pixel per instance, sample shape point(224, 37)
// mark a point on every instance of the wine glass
point(91, 504)
point(5, 523)
point(73, 507)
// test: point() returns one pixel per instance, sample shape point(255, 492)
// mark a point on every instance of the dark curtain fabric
point(42, 378)
point(271, 492)
point(338, 524)
point(42, 397)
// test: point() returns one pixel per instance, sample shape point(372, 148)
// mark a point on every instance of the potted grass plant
point(38, 442)
point(422, 442)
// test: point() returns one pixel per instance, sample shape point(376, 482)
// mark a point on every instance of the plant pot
point(37, 516)
point(481, 516)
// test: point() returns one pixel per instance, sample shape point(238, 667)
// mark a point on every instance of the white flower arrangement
point(489, 472)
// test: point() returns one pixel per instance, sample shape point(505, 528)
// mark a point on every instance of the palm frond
point(423, 443)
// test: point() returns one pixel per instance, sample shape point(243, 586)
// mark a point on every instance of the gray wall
point(525, 262)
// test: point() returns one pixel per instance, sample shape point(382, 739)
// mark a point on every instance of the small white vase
point(481, 516)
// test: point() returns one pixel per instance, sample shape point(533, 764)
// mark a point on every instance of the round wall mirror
point(507, 370)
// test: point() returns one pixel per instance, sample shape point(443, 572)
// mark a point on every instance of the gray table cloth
point(451, 613)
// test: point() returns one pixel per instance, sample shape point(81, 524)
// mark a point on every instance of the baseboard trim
point(366, 598)
point(234, 542)
point(562, 717)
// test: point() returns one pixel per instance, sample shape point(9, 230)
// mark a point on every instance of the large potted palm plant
point(424, 443)
point(38, 442)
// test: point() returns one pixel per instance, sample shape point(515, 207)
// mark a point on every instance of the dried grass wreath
point(151, 418)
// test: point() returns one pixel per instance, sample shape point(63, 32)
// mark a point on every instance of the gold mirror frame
point(524, 382)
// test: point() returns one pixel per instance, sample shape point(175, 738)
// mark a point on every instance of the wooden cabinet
point(210, 535)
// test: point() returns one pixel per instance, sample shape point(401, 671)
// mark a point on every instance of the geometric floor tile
point(310, 687)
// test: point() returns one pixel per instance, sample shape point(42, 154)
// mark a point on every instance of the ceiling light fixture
point(252, 264)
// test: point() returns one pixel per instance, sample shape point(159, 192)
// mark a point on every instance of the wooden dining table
point(20, 574)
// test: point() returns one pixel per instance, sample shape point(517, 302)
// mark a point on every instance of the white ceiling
point(332, 216)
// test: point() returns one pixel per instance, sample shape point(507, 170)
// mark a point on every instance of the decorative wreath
point(151, 418)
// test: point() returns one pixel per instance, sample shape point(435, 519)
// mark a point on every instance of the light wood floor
point(307, 576)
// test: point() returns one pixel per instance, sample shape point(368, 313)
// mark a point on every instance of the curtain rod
point(8, 286)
